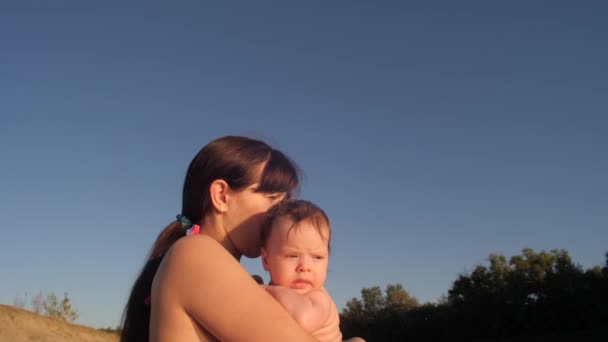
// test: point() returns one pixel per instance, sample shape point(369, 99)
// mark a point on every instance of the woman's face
point(245, 215)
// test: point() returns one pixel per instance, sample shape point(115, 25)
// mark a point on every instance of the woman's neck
point(214, 229)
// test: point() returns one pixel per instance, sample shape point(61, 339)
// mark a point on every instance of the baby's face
point(296, 258)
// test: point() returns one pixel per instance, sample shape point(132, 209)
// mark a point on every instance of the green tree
point(541, 294)
point(354, 309)
point(61, 310)
point(373, 301)
point(397, 298)
point(377, 315)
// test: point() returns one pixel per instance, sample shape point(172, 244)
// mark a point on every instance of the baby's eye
point(292, 256)
point(319, 257)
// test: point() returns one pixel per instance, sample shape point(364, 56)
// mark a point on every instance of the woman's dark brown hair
point(233, 159)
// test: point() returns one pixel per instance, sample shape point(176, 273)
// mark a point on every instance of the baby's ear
point(264, 259)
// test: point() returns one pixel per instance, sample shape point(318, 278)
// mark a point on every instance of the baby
point(295, 250)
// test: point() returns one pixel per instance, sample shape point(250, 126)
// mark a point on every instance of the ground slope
point(17, 325)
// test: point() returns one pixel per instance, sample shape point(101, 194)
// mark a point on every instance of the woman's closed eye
point(275, 196)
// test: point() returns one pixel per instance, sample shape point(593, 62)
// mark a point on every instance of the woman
point(194, 289)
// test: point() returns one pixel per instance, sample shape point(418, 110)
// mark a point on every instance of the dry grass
point(17, 325)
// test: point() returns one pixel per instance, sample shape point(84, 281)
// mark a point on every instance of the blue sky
point(432, 133)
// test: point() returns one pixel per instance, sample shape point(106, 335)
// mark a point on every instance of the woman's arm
point(218, 293)
point(311, 310)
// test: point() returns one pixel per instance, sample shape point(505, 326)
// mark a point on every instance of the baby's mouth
point(301, 284)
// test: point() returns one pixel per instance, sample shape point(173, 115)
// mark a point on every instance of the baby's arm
point(311, 310)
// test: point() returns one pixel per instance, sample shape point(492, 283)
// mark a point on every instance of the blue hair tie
point(186, 223)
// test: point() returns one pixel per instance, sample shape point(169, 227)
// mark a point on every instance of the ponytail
point(136, 317)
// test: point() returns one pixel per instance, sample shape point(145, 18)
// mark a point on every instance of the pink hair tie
point(186, 223)
point(194, 230)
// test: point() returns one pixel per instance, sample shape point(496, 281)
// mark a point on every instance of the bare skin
point(182, 284)
point(314, 310)
point(201, 292)
point(297, 255)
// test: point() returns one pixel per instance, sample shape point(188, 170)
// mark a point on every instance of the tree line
point(532, 296)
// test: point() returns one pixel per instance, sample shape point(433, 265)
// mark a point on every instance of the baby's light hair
point(297, 211)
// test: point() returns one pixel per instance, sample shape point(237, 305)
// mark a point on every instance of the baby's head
point(295, 245)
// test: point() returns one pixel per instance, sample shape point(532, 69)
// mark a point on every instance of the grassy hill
point(17, 325)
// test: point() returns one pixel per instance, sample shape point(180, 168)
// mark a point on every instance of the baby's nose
point(304, 265)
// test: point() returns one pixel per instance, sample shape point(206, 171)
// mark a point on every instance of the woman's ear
point(218, 193)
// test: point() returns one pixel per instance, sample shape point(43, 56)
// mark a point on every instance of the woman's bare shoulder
point(199, 244)
point(197, 258)
point(217, 292)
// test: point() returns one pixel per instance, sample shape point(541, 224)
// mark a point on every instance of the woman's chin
point(252, 254)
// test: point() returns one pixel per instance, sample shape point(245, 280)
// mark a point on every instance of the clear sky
point(432, 133)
